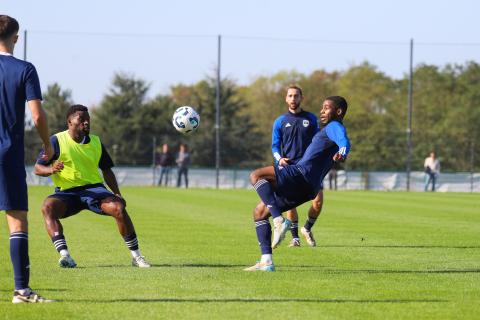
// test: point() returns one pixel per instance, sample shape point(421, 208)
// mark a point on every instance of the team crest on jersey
point(306, 123)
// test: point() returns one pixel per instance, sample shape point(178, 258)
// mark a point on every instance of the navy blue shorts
point(83, 198)
point(292, 188)
point(13, 188)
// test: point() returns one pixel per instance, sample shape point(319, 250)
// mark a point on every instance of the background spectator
point(183, 161)
point(432, 170)
point(333, 175)
point(164, 162)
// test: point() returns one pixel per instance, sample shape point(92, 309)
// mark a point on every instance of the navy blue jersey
point(291, 135)
point(318, 158)
point(18, 83)
point(104, 163)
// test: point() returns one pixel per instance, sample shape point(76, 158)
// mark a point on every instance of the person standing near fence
point(19, 83)
point(432, 170)
point(333, 176)
point(164, 161)
point(183, 162)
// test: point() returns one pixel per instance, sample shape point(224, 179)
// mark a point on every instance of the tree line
point(446, 116)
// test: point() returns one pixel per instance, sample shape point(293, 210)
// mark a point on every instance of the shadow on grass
point(181, 265)
point(344, 271)
point(299, 268)
point(411, 271)
point(39, 290)
point(266, 300)
point(400, 246)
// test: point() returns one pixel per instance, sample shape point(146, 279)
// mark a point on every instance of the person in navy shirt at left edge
point(18, 83)
point(283, 188)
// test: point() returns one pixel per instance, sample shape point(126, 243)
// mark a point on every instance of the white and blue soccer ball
point(186, 120)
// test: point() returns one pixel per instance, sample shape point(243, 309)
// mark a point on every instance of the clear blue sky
point(81, 44)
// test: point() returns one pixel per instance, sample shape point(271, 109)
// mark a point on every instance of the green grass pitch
point(381, 255)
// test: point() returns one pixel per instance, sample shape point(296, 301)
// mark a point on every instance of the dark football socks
point(309, 223)
point(294, 229)
point(20, 260)
point(265, 191)
point(264, 236)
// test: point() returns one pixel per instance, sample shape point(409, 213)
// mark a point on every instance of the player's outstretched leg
point(313, 214)
point(263, 180)
point(114, 207)
point(53, 210)
point(264, 234)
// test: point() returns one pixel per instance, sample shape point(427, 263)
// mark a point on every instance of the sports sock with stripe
point(264, 236)
point(20, 259)
point(265, 191)
point(60, 244)
point(132, 244)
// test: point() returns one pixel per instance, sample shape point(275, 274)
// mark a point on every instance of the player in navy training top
point(291, 135)
point(283, 188)
point(19, 83)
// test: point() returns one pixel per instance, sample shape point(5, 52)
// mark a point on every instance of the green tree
point(468, 98)
point(455, 128)
point(317, 86)
point(56, 103)
point(372, 123)
point(154, 119)
point(118, 122)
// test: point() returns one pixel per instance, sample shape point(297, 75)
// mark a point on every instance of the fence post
point(154, 156)
point(234, 178)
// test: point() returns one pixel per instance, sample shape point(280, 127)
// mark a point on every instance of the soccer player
point(284, 188)
point(18, 83)
point(74, 170)
point(292, 133)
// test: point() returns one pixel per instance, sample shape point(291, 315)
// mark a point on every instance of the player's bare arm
point(112, 183)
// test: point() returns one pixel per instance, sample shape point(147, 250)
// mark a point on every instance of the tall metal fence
point(233, 179)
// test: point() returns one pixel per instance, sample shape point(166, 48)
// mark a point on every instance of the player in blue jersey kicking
point(284, 188)
point(291, 135)
point(74, 170)
point(19, 83)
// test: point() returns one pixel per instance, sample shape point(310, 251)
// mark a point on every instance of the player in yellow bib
point(79, 185)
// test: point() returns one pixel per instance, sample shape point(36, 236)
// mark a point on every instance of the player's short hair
point(74, 108)
point(294, 86)
point(339, 103)
point(8, 27)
